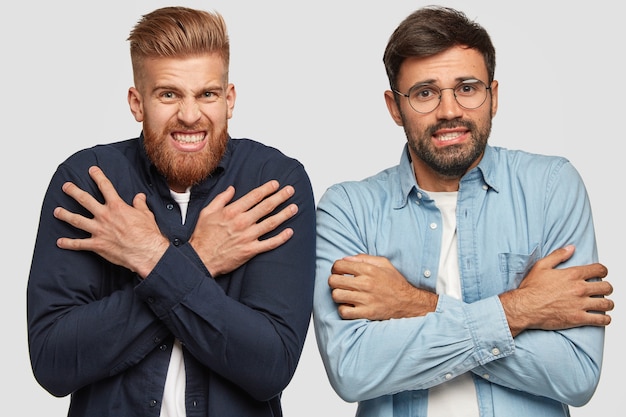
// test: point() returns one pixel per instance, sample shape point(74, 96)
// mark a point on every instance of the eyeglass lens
point(425, 98)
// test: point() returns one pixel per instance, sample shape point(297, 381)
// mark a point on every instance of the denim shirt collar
point(407, 183)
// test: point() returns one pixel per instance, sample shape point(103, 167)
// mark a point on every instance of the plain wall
point(310, 81)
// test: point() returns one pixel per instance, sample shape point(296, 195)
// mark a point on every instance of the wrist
point(149, 262)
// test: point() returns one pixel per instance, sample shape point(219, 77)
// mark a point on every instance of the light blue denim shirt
point(513, 209)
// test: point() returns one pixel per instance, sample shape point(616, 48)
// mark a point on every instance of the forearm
point(79, 307)
point(549, 317)
point(368, 359)
point(249, 326)
point(78, 332)
point(561, 365)
point(558, 355)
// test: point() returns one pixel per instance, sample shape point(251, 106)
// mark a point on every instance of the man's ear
point(135, 103)
point(494, 98)
point(231, 95)
point(392, 106)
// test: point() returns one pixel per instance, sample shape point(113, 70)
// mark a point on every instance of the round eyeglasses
point(426, 97)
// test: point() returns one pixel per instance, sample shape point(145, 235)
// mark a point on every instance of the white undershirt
point(457, 397)
point(173, 403)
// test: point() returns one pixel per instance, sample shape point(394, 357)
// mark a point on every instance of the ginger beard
point(185, 168)
point(451, 161)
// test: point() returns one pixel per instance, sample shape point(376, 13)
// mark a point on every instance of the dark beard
point(185, 169)
point(452, 161)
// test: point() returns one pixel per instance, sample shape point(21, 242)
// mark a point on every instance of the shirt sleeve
point(563, 365)
point(367, 359)
point(89, 319)
point(254, 339)
point(79, 305)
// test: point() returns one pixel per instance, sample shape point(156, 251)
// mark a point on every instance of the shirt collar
point(487, 168)
point(484, 171)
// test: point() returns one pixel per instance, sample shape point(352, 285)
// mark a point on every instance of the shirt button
point(433, 226)
point(176, 242)
point(486, 376)
point(419, 195)
point(485, 187)
point(427, 273)
point(156, 340)
point(163, 347)
point(448, 377)
point(153, 403)
point(495, 351)
point(169, 206)
point(150, 300)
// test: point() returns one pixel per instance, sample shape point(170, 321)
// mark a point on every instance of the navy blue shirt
point(98, 332)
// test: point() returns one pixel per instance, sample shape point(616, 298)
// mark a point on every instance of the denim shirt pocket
point(515, 266)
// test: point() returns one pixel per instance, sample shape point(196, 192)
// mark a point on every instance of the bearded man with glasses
point(465, 280)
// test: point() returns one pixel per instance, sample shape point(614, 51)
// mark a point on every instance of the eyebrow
point(209, 87)
point(458, 80)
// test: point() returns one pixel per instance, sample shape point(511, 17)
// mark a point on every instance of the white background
point(310, 81)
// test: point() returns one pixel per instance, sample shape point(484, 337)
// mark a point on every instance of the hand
point(227, 235)
point(124, 235)
point(555, 299)
point(370, 287)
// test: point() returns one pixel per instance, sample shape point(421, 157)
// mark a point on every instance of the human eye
point(168, 95)
point(424, 92)
point(209, 96)
point(469, 87)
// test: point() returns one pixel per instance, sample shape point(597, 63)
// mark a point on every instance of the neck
point(430, 180)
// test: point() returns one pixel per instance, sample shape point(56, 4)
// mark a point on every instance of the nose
point(189, 112)
point(448, 107)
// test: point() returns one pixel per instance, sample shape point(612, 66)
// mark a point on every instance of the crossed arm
point(77, 300)
point(226, 236)
point(426, 335)
point(369, 287)
point(379, 333)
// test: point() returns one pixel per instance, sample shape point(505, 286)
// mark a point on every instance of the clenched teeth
point(448, 136)
point(196, 137)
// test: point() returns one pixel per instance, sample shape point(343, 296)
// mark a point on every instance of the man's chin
point(188, 176)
